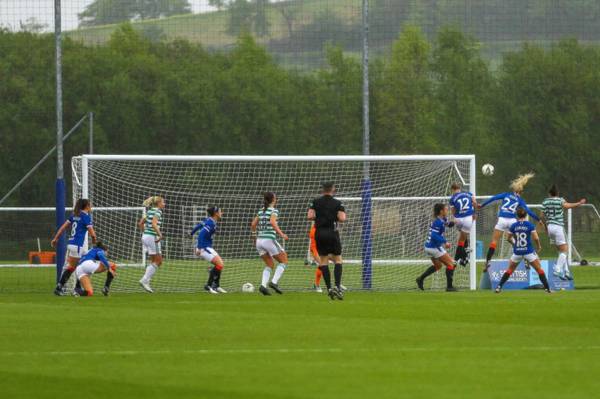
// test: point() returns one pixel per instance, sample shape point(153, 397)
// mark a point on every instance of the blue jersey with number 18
point(521, 232)
point(463, 204)
point(79, 228)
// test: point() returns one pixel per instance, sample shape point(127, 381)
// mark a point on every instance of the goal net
point(388, 213)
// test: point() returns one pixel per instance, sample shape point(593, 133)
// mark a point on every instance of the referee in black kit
point(327, 212)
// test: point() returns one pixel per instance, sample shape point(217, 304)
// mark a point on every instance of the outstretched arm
point(59, 233)
point(196, 228)
point(571, 205)
point(529, 211)
point(492, 199)
point(103, 260)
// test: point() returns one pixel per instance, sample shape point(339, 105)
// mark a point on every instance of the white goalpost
point(388, 214)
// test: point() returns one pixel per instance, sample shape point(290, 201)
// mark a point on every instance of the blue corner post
point(61, 247)
point(366, 235)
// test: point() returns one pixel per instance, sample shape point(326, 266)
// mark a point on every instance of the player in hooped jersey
point(522, 233)
point(266, 226)
point(81, 225)
point(507, 213)
point(554, 220)
point(204, 249)
point(463, 206)
point(150, 224)
point(94, 262)
point(435, 248)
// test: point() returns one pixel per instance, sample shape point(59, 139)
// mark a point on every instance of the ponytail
point(268, 199)
point(152, 202)
point(80, 205)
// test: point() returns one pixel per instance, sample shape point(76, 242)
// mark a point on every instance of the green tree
point(103, 12)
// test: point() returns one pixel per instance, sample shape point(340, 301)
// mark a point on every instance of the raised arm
point(59, 233)
point(492, 199)
point(571, 205)
point(196, 228)
point(529, 211)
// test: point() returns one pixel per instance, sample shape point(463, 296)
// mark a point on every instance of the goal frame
point(367, 261)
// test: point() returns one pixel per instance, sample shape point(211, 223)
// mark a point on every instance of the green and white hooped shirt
point(554, 211)
point(265, 229)
point(150, 215)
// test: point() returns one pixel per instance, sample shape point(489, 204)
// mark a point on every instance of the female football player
point(152, 235)
point(522, 232)
point(435, 248)
point(267, 228)
point(91, 263)
point(204, 249)
point(507, 212)
point(554, 220)
point(81, 225)
point(463, 206)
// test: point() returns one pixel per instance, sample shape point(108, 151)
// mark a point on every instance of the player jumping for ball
point(265, 224)
point(204, 249)
point(91, 263)
point(81, 225)
point(327, 212)
point(522, 232)
point(507, 212)
point(150, 224)
point(435, 248)
point(554, 220)
point(463, 206)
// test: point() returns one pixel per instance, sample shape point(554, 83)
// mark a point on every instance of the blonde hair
point(518, 185)
point(151, 202)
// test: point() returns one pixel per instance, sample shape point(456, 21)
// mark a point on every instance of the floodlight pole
point(60, 181)
point(366, 208)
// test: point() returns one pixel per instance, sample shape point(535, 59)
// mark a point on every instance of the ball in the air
point(247, 287)
point(487, 169)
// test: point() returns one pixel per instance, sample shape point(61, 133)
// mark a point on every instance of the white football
point(487, 169)
point(247, 287)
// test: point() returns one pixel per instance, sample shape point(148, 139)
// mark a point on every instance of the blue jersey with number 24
point(521, 232)
point(463, 204)
point(510, 203)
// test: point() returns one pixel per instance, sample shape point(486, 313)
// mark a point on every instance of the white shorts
point(529, 258)
point(73, 251)
point(556, 234)
point(504, 224)
point(435, 253)
point(87, 268)
point(464, 224)
point(267, 246)
point(208, 254)
point(150, 245)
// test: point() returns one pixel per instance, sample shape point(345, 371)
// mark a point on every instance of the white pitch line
point(302, 350)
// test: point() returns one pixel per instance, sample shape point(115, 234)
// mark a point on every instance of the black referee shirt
point(326, 209)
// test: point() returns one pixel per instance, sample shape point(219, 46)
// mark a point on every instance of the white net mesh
point(403, 194)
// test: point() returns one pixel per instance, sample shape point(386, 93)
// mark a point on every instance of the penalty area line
point(301, 351)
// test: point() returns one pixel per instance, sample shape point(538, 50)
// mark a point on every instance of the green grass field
point(301, 345)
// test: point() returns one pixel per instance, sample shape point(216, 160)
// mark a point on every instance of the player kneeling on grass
point(204, 249)
point(522, 232)
point(81, 224)
point(436, 246)
point(265, 224)
point(92, 263)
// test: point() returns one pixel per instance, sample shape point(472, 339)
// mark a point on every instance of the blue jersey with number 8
point(463, 204)
point(521, 232)
point(79, 228)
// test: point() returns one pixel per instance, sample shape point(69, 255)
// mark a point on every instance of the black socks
point(430, 270)
point(449, 277)
point(327, 275)
point(337, 274)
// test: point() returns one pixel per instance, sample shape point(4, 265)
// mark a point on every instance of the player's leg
point(557, 237)
point(492, 248)
point(110, 275)
point(153, 250)
point(536, 264)
point(282, 261)
point(266, 274)
point(316, 259)
point(512, 265)
point(322, 240)
point(86, 286)
point(435, 266)
point(68, 269)
point(447, 260)
point(218, 266)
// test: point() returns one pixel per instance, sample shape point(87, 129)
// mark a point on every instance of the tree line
point(539, 111)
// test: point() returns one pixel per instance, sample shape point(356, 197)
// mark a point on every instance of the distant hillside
point(500, 25)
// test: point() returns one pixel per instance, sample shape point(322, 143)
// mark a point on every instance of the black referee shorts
point(328, 242)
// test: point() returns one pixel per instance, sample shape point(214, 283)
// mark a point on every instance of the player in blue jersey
point(507, 212)
point(204, 249)
point(522, 233)
point(94, 262)
point(462, 205)
point(435, 248)
point(81, 225)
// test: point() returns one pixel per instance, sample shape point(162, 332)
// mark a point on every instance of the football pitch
point(525, 344)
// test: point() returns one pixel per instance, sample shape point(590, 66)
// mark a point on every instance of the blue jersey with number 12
point(463, 204)
point(79, 228)
point(521, 232)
